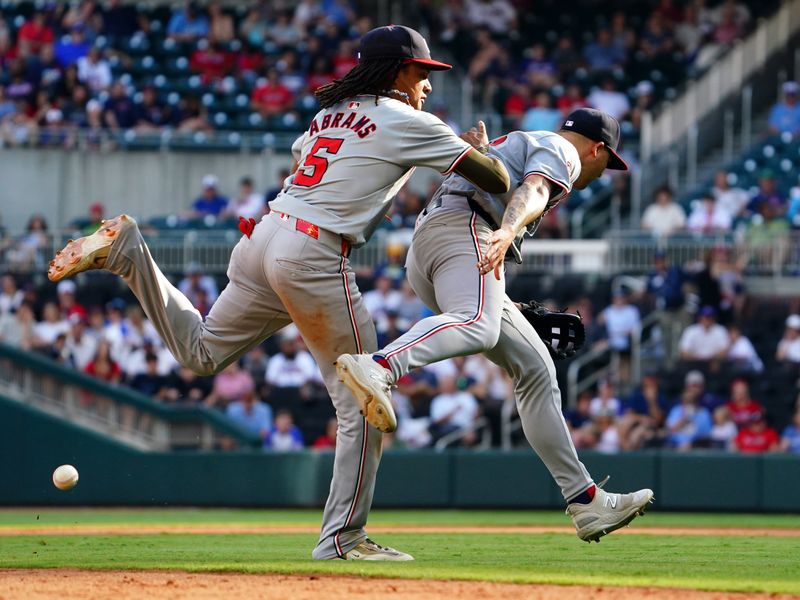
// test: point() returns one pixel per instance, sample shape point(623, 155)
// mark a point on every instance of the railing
point(777, 256)
point(596, 216)
point(603, 362)
point(106, 140)
point(600, 361)
point(621, 252)
point(120, 413)
point(644, 343)
point(174, 249)
point(480, 426)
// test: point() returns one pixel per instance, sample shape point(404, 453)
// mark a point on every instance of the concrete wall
point(62, 184)
point(110, 474)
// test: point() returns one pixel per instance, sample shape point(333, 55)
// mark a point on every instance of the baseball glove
point(562, 332)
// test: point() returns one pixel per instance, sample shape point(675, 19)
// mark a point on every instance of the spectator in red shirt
point(571, 100)
point(249, 62)
point(320, 74)
point(212, 61)
point(743, 408)
point(668, 11)
point(67, 303)
point(518, 102)
point(344, 60)
point(34, 34)
point(272, 98)
point(757, 438)
point(8, 52)
point(102, 366)
point(328, 440)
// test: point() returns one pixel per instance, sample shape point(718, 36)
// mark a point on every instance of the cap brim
point(433, 65)
point(615, 163)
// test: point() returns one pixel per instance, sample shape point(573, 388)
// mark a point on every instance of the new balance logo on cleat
point(610, 499)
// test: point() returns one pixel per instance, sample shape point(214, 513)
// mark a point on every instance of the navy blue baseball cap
point(599, 127)
point(398, 42)
point(708, 311)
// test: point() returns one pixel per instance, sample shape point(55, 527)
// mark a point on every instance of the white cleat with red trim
point(371, 384)
point(369, 550)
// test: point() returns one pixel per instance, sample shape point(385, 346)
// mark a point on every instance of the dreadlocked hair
point(371, 77)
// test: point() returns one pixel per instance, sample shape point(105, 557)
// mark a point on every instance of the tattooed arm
point(527, 204)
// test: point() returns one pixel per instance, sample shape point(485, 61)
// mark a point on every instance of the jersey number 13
point(314, 166)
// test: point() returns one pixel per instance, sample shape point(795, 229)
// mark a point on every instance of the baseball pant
point(475, 315)
point(277, 276)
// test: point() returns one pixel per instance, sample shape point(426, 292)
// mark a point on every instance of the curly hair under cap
point(372, 77)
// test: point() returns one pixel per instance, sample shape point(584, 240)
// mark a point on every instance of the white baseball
point(65, 477)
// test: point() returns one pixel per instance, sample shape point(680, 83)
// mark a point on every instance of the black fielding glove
point(563, 333)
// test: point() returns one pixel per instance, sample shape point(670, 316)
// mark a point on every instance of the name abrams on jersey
point(362, 125)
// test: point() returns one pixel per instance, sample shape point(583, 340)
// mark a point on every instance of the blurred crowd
point(90, 68)
point(534, 62)
point(707, 353)
point(758, 216)
point(756, 202)
point(696, 418)
point(275, 390)
point(84, 69)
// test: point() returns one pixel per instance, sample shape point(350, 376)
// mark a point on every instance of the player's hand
point(476, 136)
point(498, 244)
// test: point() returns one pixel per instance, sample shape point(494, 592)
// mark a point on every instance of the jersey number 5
point(313, 168)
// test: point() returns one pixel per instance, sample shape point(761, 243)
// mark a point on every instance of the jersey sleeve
point(549, 163)
point(297, 146)
point(428, 142)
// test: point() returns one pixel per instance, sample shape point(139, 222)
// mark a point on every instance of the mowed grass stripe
point(86, 516)
point(751, 564)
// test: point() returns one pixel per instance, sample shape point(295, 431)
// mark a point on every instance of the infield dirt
point(36, 584)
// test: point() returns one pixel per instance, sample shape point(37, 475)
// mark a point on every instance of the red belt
point(312, 230)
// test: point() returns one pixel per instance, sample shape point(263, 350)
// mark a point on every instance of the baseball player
point(293, 265)
point(463, 228)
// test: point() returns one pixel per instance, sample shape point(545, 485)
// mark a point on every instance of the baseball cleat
point(369, 550)
point(607, 512)
point(89, 252)
point(371, 384)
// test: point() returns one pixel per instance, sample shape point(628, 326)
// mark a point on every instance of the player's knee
point(488, 334)
point(492, 336)
point(203, 368)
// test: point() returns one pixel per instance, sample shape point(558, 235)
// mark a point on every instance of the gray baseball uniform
point(474, 312)
point(294, 268)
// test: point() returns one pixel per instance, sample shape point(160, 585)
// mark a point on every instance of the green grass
point(747, 564)
point(97, 516)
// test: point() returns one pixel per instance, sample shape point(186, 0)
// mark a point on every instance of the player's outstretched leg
point(524, 356)
point(371, 384)
point(607, 512)
point(89, 252)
